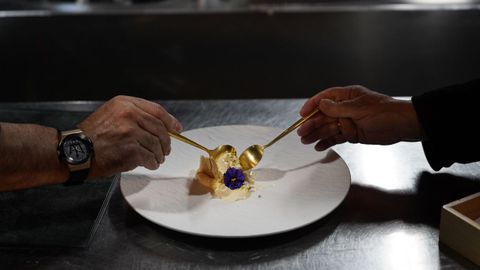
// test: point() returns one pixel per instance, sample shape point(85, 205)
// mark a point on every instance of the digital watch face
point(75, 150)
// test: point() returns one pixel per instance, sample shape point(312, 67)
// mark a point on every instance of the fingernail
point(178, 127)
point(327, 101)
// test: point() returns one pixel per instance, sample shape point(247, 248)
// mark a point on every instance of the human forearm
point(28, 157)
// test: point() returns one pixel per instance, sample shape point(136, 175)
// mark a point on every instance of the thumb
point(344, 109)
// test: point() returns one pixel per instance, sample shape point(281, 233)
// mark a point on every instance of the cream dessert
point(225, 178)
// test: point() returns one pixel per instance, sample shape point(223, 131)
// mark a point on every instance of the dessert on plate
point(225, 178)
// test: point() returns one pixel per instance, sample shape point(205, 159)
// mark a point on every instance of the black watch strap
point(77, 177)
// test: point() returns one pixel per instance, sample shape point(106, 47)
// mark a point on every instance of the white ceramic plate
point(296, 186)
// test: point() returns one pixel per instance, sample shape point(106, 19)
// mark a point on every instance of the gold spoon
point(214, 153)
point(253, 154)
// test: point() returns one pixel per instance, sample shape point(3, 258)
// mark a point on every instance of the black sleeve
point(450, 117)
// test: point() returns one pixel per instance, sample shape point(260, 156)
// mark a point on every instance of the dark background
point(234, 51)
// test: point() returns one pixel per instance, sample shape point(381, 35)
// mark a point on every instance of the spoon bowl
point(251, 156)
point(221, 151)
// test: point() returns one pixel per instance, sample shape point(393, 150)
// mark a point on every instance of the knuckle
point(120, 98)
point(334, 128)
point(127, 112)
point(133, 154)
point(126, 131)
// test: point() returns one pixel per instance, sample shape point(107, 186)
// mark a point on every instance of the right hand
point(358, 115)
point(128, 132)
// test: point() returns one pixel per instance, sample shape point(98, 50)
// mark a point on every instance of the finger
point(177, 126)
point(333, 93)
point(152, 144)
point(341, 109)
point(159, 128)
point(147, 159)
point(308, 107)
point(152, 124)
point(321, 133)
point(329, 142)
point(125, 157)
point(156, 128)
point(314, 123)
point(348, 129)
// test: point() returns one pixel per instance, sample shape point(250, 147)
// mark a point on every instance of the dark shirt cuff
point(448, 117)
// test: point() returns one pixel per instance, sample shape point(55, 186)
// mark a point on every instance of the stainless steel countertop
point(389, 219)
point(14, 8)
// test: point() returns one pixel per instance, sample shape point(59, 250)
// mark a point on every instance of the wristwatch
point(76, 150)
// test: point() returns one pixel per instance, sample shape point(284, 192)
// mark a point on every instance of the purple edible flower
point(233, 178)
